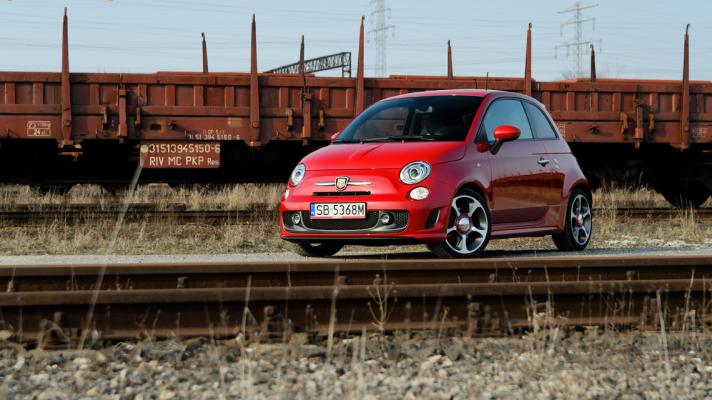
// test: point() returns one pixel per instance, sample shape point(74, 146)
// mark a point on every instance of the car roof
point(467, 92)
point(455, 92)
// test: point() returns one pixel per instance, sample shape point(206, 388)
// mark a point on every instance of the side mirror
point(504, 133)
point(334, 136)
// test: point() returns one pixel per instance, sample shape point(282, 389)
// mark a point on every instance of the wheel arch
point(580, 183)
point(584, 186)
point(477, 187)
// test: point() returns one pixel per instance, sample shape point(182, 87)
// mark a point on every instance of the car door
point(556, 153)
point(518, 180)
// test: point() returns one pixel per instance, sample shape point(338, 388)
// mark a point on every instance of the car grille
point(369, 224)
point(341, 224)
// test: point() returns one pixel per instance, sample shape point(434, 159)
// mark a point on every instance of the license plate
point(337, 210)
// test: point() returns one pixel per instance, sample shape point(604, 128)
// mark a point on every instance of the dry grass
point(246, 195)
point(173, 237)
point(147, 237)
point(620, 197)
point(163, 196)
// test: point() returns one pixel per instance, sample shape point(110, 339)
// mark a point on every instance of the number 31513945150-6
point(180, 155)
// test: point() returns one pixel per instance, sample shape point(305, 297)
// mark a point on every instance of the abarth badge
point(342, 182)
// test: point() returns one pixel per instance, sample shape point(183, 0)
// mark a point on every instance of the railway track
point(269, 301)
point(25, 214)
point(178, 213)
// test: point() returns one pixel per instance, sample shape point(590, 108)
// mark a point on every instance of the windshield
point(428, 118)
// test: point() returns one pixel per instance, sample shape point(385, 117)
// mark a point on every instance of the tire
point(468, 229)
point(692, 195)
point(578, 225)
point(324, 249)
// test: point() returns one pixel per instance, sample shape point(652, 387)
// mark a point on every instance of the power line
point(578, 43)
point(379, 34)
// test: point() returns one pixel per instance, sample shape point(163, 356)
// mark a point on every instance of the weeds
point(380, 293)
point(170, 236)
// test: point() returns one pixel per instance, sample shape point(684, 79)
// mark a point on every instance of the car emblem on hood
point(342, 182)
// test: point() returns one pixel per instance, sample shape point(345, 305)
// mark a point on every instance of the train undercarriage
point(684, 178)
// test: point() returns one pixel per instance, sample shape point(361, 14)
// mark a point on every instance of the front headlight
point(298, 174)
point(415, 172)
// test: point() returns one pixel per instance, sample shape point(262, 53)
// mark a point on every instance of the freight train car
point(60, 129)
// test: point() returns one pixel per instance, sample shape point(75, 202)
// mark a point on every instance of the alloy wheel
point(468, 227)
point(580, 217)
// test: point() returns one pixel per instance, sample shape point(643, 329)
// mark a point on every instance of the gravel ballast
point(543, 365)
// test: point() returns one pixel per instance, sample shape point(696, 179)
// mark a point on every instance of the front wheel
point(468, 227)
point(578, 224)
point(317, 249)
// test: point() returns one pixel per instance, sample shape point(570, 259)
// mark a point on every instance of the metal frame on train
point(59, 129)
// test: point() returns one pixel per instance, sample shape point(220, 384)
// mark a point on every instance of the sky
point(638, 38)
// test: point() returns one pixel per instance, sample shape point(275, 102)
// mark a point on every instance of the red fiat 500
point(450, 169)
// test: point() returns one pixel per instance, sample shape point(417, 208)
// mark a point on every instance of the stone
point(166, 395)
point(37, 379)
point(80, 361)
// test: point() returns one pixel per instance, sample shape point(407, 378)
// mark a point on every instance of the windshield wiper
point(403, 138)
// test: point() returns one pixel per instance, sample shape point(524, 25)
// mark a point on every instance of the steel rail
point(46, 303)
point(62, 277)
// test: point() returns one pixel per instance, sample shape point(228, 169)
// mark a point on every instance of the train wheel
point(578, 224)
point(317, 249)
point(468, 227)
point(692, 194)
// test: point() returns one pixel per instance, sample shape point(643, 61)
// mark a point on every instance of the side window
point(507, 112)
point(541, 125)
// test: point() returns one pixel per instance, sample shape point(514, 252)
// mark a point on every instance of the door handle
point(543, 162)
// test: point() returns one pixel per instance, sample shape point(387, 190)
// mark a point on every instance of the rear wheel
point(468, 227)
point(317, 249)
point(578, 224)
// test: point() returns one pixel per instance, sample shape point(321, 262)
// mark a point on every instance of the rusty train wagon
point(60, 129)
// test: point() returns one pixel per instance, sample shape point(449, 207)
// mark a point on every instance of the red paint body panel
point(380, 155)
point(526, 196)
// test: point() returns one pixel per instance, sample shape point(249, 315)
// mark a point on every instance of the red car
point(451, 169)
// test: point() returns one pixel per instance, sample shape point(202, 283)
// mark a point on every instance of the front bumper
point(412, 221)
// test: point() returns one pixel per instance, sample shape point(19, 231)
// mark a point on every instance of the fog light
point(386, 219)
point(419, 193)
point(296, 218)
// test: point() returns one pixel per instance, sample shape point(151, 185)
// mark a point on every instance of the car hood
point(382, 155)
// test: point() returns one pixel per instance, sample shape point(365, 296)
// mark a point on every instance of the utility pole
point(579, 44)
point(379, 33)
